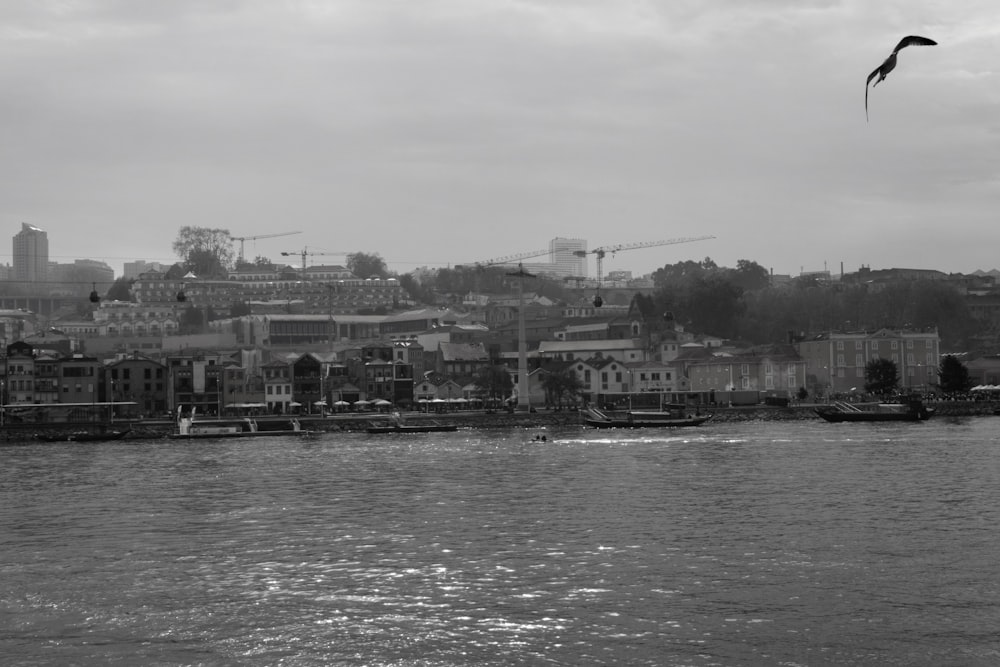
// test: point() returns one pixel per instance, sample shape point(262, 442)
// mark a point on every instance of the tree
point(120, 290)
point(560, 385)
point(365, 265)
point(749, 276)
point(239, 309)
point(207, 252)
point(415, 290)
point(494, 380)
point(953, 375)
point(881, 376)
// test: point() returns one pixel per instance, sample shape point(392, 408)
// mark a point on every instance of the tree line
point(734, 303)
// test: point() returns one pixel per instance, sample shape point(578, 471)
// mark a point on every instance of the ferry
point(192, 427)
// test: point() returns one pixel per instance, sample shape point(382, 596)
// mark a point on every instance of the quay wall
point(358, 422)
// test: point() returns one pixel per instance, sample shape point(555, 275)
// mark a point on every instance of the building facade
point(31, 254)
point(836, 361)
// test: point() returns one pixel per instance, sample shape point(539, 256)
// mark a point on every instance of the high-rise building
point(31, 254)
point(563, 253)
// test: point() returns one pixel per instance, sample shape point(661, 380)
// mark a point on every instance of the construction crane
point(612, 249)
point(508, 259)
point(604, 250)
point(305, 252)
point(241, 239)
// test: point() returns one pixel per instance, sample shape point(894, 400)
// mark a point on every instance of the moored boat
point(395, 424)
point(83, 436)
point(675, 417)
point(191, 427)
point(908, 410)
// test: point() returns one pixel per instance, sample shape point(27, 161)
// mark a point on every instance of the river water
point(759, 543)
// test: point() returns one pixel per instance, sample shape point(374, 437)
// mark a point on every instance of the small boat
point(676, 416)
point(189, 428)
point(82, 436)
point(395, 424)
point(908, 410)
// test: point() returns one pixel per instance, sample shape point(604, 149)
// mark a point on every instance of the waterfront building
point(623, 350)
point(19, 374)
point(78, 379)
point(655, 376)
point(836, 361)
point(194, 380)
point(46, 379)
point(277, 376)
point(779, 371)
point(139, 379)
point(461, 359)
point(307, 381)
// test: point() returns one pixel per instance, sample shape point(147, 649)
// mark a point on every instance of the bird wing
point(914, 40)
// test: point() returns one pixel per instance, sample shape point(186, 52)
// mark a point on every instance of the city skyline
point(447, 132)
point(567, 257)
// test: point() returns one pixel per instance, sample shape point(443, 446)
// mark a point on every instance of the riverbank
point(359, 422)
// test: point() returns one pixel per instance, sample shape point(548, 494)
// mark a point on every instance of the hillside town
point(314, 338)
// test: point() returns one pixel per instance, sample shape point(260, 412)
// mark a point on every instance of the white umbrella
point(382, 401)
point(323, 402)
point(362, 402)
point(341, 403)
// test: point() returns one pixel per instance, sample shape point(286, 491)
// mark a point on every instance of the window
point(858, 345)
point(840, 345)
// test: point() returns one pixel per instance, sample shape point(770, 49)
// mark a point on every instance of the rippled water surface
point(731, 544)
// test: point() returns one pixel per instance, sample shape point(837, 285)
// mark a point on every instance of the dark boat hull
point(837, 416)
point(82, 437)
point(598, 419)
point(415, 428)
point(239, 434)
point(639, 423)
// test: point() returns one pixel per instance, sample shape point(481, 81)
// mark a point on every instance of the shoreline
point(359, 422)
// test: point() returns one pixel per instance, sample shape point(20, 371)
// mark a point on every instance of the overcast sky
point(438, 132)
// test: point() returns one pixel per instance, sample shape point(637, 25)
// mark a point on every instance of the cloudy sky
point(438, 132)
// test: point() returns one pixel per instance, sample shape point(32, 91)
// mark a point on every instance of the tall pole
point(523, 404)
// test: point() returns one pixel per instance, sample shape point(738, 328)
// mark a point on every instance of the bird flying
point(890, 63)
